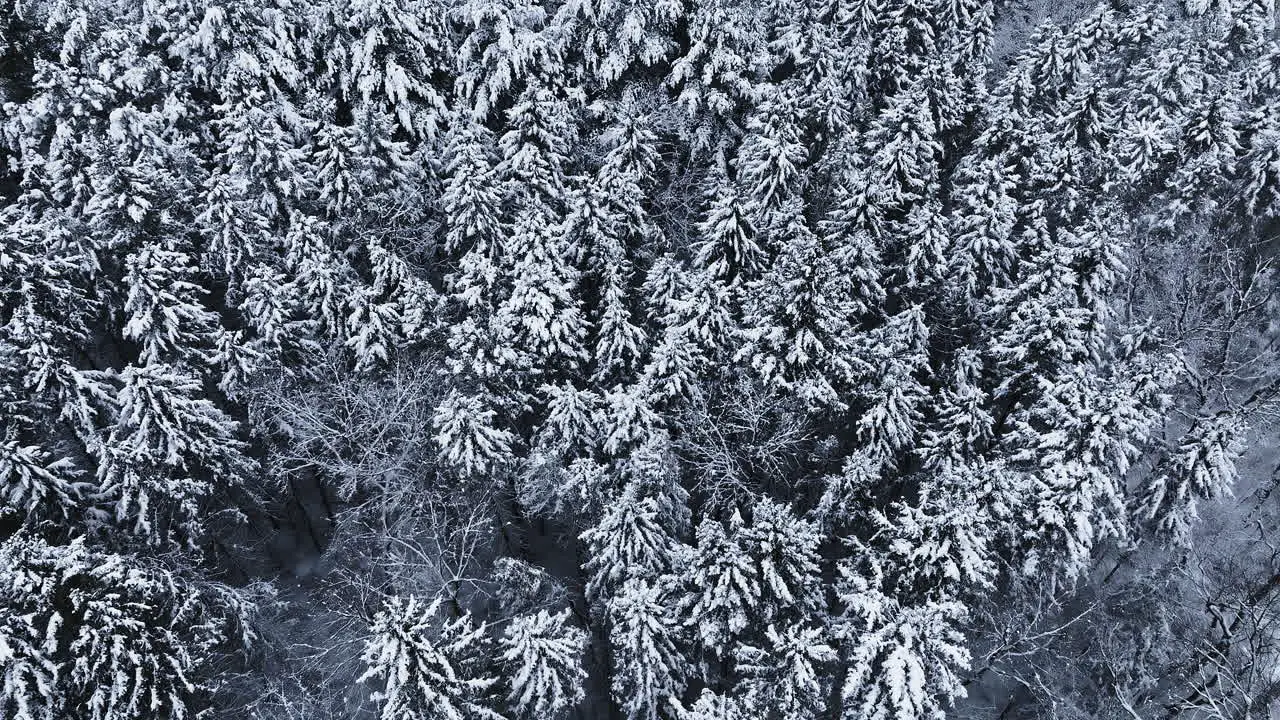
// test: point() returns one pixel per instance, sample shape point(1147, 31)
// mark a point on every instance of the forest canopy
point(639, 359)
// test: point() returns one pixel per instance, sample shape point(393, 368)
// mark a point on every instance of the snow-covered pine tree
point(770, 164)
point(541, 323)
point(799, 334)
point(471, 200)
point(983, 251)
point(541, 320)
point(392, 54)
point(630, 421)
point(648, 667)
point(542, 656)
point(1203, 467)
point(35, 485)
point(696, 329)
point(608, 39)
point(168, 450)
point(618, 225)
point(165, 311)
point(903, 147)
point(963, 422)
point(628, 543)
point(739, 581)
point(845, 493)
point(727, 247)
point(429, 665)
point(722, 586)
point(716, 73)
point(905, 662)
point(468, 437)
point(849, 232)
point(896, 395)
point(573, 420)
point(785, 549)
point(323, 278)
point(107, 637)
point(504, 44)
point(28, 677)
point(786, 676)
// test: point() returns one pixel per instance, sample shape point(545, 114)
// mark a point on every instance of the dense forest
point(639, 359)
